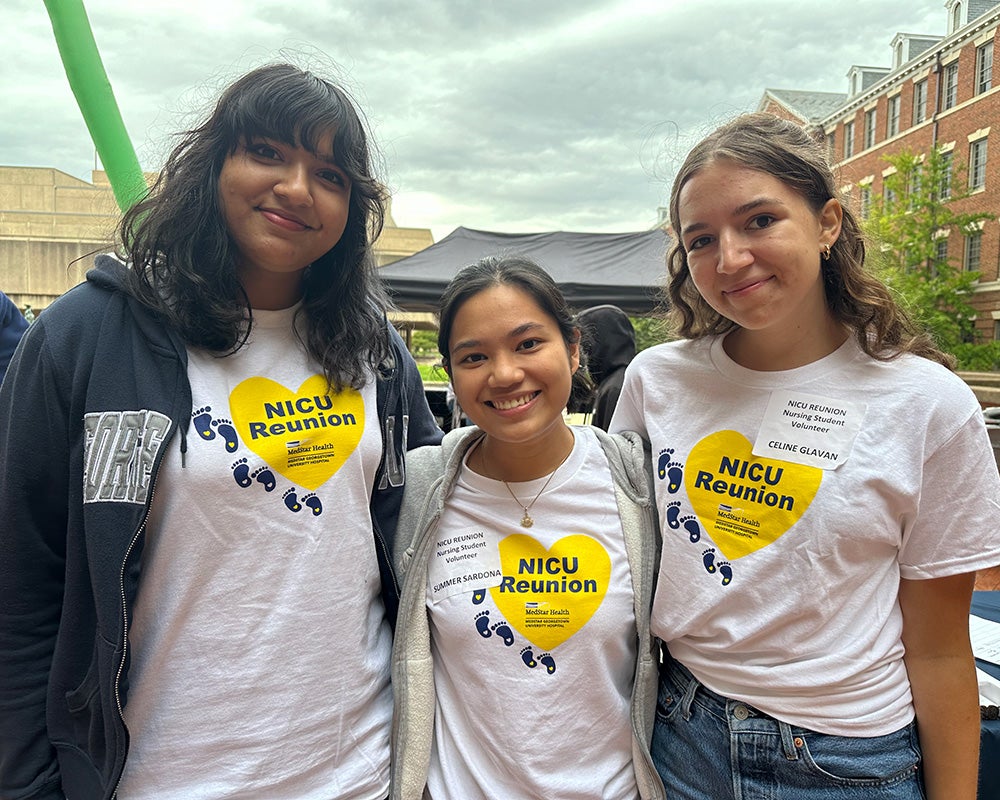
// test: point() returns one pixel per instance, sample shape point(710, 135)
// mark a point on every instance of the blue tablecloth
point(987, 605)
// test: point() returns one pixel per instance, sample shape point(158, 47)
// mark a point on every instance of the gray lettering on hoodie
point(120, 448)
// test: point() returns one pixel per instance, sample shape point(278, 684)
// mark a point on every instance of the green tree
point(649, 331)
point(906, 227)
point(424, 343)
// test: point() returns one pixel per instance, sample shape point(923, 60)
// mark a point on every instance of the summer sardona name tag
point(463, 562)
point(811, 430)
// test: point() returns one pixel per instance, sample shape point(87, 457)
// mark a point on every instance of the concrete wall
point(51, 224)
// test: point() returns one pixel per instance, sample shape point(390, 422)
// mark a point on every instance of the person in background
point(609, 340)
point(826, 493)
point(12, 327)
point(202, 452)
point(523, 665)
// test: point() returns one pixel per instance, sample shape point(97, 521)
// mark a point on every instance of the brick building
point(938, 91)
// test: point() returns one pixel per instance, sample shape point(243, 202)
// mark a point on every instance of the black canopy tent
point(624, 269)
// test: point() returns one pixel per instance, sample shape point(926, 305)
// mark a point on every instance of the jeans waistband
point(739, 715)
point(691, 687)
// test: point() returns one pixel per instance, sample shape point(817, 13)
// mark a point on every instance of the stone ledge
point(986, 395)
point(985, 385)
point(980, 378)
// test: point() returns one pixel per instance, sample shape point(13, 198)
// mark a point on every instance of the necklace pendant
point(526, 521)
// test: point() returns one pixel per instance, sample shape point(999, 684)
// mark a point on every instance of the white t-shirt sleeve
point(947, 537)
point(628, 414)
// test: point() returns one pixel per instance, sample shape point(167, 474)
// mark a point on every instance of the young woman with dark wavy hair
point(202, 449)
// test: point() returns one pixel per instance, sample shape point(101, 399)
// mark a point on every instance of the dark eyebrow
point(694, 227)
point(756, 203)
point(467, 344)
point(520, 330)
point(736, 212)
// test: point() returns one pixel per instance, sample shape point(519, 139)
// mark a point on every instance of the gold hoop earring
point(825, 252)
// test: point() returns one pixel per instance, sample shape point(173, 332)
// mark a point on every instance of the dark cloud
point(521, 115)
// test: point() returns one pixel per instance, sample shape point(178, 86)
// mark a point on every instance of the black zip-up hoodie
point(98, 366)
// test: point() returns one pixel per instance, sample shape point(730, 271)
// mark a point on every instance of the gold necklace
point(526, 520)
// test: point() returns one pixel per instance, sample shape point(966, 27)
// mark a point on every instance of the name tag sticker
point(811, 430)
point(461, 563)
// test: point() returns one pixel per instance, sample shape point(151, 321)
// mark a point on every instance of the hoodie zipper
point(389, 378)
point(125, 624)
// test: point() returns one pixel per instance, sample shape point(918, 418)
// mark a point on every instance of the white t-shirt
point(534, 656)
point(779, 577)
point(260, 648)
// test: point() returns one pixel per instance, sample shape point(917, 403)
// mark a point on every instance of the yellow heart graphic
point(549, 594)
point(745, 502)
point(306, 435)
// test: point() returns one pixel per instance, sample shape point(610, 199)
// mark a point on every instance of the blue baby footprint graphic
point(478, 596)
point(227, 432)
point(528, 657)
point(708, 559)
point(311, 501)
point(662, 461)
point(549, 662)
point(241, 473)
point(202, 421)
point(690, 524)
point(291, 500)
point(726, 571)
point(483, 624)
point(669, 470)
point(502, 629)
point(673, 512)
point(265, 478)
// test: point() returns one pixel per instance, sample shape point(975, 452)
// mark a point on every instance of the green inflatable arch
point(93, 93)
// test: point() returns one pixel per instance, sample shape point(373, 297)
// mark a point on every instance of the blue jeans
point(706, 747)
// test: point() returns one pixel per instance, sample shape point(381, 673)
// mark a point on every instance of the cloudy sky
point(518, 116)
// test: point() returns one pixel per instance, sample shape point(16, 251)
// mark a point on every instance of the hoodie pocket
point(88, 730)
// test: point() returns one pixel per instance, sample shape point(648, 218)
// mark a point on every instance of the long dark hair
point(855, 297)
point(520, 272)
point(183, 258)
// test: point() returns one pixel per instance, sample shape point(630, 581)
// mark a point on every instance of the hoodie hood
point(608, 339)
point(108, 273)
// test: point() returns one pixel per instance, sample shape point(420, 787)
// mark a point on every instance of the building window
point(866, 201)
point(831, 147)
point(848, 139)
point(869, 129)
point(951, 85)
point(947, 162)
point(996, 330)
point(956, 17)
point(941, 252)
point(892, 128)
point(977, 164)
point(888, 195)
point(973, 248)
point(984, 68)
point(913, 187)
point(919, 101)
